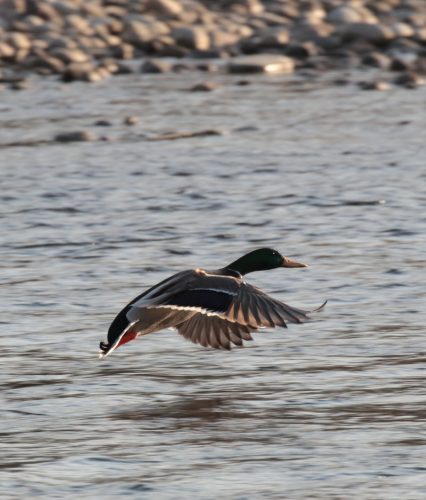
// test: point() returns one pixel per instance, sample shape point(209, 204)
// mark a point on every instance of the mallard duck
point(212, 308)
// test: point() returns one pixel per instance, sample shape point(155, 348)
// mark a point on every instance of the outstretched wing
point(249, 309)
point(252, 306)
point(214, 331)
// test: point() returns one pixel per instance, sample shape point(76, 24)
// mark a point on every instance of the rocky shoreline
point(91, 40)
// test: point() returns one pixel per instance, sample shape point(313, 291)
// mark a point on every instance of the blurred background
point(140, 138)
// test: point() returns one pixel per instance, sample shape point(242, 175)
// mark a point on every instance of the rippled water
point(329, 175)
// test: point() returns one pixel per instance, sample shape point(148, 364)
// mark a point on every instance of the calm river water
point(331, 175)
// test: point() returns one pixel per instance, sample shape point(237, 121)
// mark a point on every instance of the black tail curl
point(104, 346)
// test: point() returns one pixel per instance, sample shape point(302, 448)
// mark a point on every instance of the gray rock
point(261, 63)
point(273, 20)
point(409, 80)
point(85, 72)
point(250, 45)
point(374, 85)
point(69, 56)
point(75, 136)
point(209, 54)
point(65, 8)
point(78, 24)
point(6, 51)
point(100, 73)
point(343, 15)
point(156, 66)
point(367, 13)
point(207, 67)
point(374, 33)
point(314, 15)
point(123, 51)
point(20, 55)
point(254, 6)
point(20, 85)
point(310, 32)
point(115, 9)
point(56, 41)
point(53, 64)
point(242, 30)
point(137, 33)
point(205, 87)
point(109, 65)
point(130, 120)
point(398, 64)
point(140, 33)
point(346, 59)
point(420, 34)
point(220, 38)
point(376, 60)
point(46, 11)
point(94, 9)
point(341, 82)
point(247, 7)
point(301, 50)
point(181, 67)
point(39, 45)
point(273, 38)
point(167, 7)
point(162, 49)
point(354, 13)
point(256, 24)
point(285, 9)
point(192, 37)
point(35, 25)
point(243, 83)
point(188, 17)
point(403, 30)
point(19, 41)
point(123, 69)
point(102, 123)
point(404, 45)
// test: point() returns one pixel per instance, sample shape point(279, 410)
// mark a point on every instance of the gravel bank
point(91, 40)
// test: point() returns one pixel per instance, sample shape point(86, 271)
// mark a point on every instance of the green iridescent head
point(262, 259)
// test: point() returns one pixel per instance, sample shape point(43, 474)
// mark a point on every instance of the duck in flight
point(213, 308)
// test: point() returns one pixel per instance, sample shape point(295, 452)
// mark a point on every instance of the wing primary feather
point(196, 330)
point(203, 337)
point(214, 335)
point(246, 335)
point(245, 308)
point(236, 339)
point(263, 305)
point(287, 311)
point(281, 320)
point(235, 308)
point(254, 310)
point(277, 320)
point(224, 339)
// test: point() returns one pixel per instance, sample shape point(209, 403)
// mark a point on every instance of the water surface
point(329, 175)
